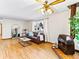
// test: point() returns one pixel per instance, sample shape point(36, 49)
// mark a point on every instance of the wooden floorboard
point(11, 49)
point(64, 56)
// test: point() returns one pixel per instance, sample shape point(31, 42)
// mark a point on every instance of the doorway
point(0, 31)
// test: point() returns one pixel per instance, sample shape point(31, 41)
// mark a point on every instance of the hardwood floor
point(63, 56)
point(11, 49)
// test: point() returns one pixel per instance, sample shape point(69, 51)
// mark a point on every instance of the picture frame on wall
point(38, 27)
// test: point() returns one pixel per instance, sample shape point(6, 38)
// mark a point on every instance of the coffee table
point(24, 41)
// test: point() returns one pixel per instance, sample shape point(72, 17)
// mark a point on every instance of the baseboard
point(77, 50)
point(6, 38)
point(49, 42)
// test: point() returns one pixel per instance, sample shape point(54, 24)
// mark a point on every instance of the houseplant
point(74, 25)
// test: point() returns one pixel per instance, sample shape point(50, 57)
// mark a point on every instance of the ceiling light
point(46, 12)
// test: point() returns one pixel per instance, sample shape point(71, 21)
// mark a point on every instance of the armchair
point(66, 44)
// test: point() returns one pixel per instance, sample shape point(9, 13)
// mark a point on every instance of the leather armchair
point(66, 44)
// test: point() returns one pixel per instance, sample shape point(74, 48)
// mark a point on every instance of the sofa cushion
point(35, 34)
point(30, 34)
point(41, 38)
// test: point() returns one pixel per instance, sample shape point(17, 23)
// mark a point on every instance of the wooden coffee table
point(24, 41)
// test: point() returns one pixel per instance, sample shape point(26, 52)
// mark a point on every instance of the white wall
point(28, 25)
point(7, 26)
point(58, 23)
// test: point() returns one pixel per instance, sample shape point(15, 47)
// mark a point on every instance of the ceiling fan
point(46, 6)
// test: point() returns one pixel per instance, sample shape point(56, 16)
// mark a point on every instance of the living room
point(26, 34)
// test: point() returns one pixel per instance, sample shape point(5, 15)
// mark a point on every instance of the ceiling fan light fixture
point(43, 11)
point(46, 12)
point(46, 7)
point(49, 11)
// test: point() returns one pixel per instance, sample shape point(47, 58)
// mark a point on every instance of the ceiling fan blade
point(39, 0)
point(56, 2)
point(38, 10)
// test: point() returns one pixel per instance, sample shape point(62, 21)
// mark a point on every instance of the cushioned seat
point(37, 38)
point(66, 44)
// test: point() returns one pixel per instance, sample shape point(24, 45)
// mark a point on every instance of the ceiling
point(28, 9)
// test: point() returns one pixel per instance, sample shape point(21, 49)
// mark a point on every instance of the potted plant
point(74, 25)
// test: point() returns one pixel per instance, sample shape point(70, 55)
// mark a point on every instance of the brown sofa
point(36, 39)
